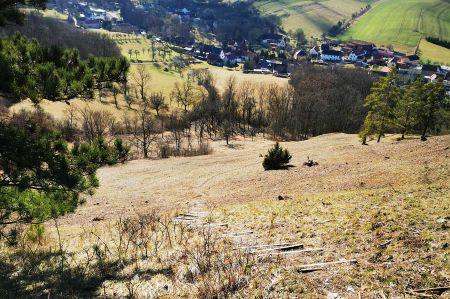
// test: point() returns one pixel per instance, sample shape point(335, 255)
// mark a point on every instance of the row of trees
point(35, 72)
point(417, 107)
point(317, 101)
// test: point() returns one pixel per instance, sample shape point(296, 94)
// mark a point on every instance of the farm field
point(430, 52)
point(314, 17)
point(403, 23)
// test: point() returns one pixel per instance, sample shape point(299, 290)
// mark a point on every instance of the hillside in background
point(314, 17)
point(52, 29)
point(403, 23)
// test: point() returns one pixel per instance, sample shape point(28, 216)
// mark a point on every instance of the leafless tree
point(184, 94)
point(144, 131)
point(157, 102)
point(95, 123)
point(141, 79)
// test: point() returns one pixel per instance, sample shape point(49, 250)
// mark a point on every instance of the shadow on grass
point(284, 167)
point(40, 276)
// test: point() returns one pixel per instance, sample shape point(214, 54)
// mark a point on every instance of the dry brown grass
point(385, 205)
point(234, 174)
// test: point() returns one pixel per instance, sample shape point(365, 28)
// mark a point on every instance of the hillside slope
point(383, 206)
point(314, 17)
point(403, 23)
point(235, 175)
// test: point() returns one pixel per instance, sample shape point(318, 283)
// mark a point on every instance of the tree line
point(418, 107)
point(437, 41)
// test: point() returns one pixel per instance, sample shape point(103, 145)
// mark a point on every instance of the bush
point(276, 158)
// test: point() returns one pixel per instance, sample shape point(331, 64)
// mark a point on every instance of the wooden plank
point(187, 215)
point(263, 246)
point(437, 290)
point(290, 252)
point(282, 248)
point(320, 266)
point(214, 224)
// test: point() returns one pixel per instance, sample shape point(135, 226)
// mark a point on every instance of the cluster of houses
point(228, 55)
point(232, 53)
point(90, 17)
point(381, 60)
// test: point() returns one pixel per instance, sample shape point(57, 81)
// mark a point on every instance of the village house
point(215, 55)
point(92, 23)
point(273, 40)
point(331, 56)
point(124, 28)
point(358, 47)
point(314, 52)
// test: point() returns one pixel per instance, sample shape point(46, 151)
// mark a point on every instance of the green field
point(433, 53)
point(314, 17)
point(403, 23)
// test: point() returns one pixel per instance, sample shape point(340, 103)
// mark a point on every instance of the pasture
point(403, 23)
point(314, 17)
point(430, 52)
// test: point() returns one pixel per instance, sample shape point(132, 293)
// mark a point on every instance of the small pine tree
point(276, 158)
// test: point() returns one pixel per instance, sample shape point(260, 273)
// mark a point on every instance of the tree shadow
point(41, 276)
point(284, 167)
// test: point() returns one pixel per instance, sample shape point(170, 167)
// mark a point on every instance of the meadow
point(314, 17)
point(403, 23)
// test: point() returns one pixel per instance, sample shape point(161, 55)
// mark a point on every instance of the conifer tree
point(434, 105)
point(9, 13)
point(381, 103)
point(406, 109)
point(276, 158)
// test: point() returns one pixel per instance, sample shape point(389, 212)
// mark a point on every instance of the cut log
point(320, 266)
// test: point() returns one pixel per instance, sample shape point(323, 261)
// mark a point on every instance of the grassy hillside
point(434, 53)
point(207, 226)
point(403, 23)
point(384, 205)
point(314, 17)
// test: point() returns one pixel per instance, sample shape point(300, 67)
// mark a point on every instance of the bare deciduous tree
point(184, 94)
point(141, 79)
point(144, 128)
point(95, 123)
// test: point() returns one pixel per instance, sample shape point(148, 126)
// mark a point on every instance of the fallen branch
point(420, 295)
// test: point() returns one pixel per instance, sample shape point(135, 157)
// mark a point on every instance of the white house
point(352, 57)
point(314, 52)
point(331, 56)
